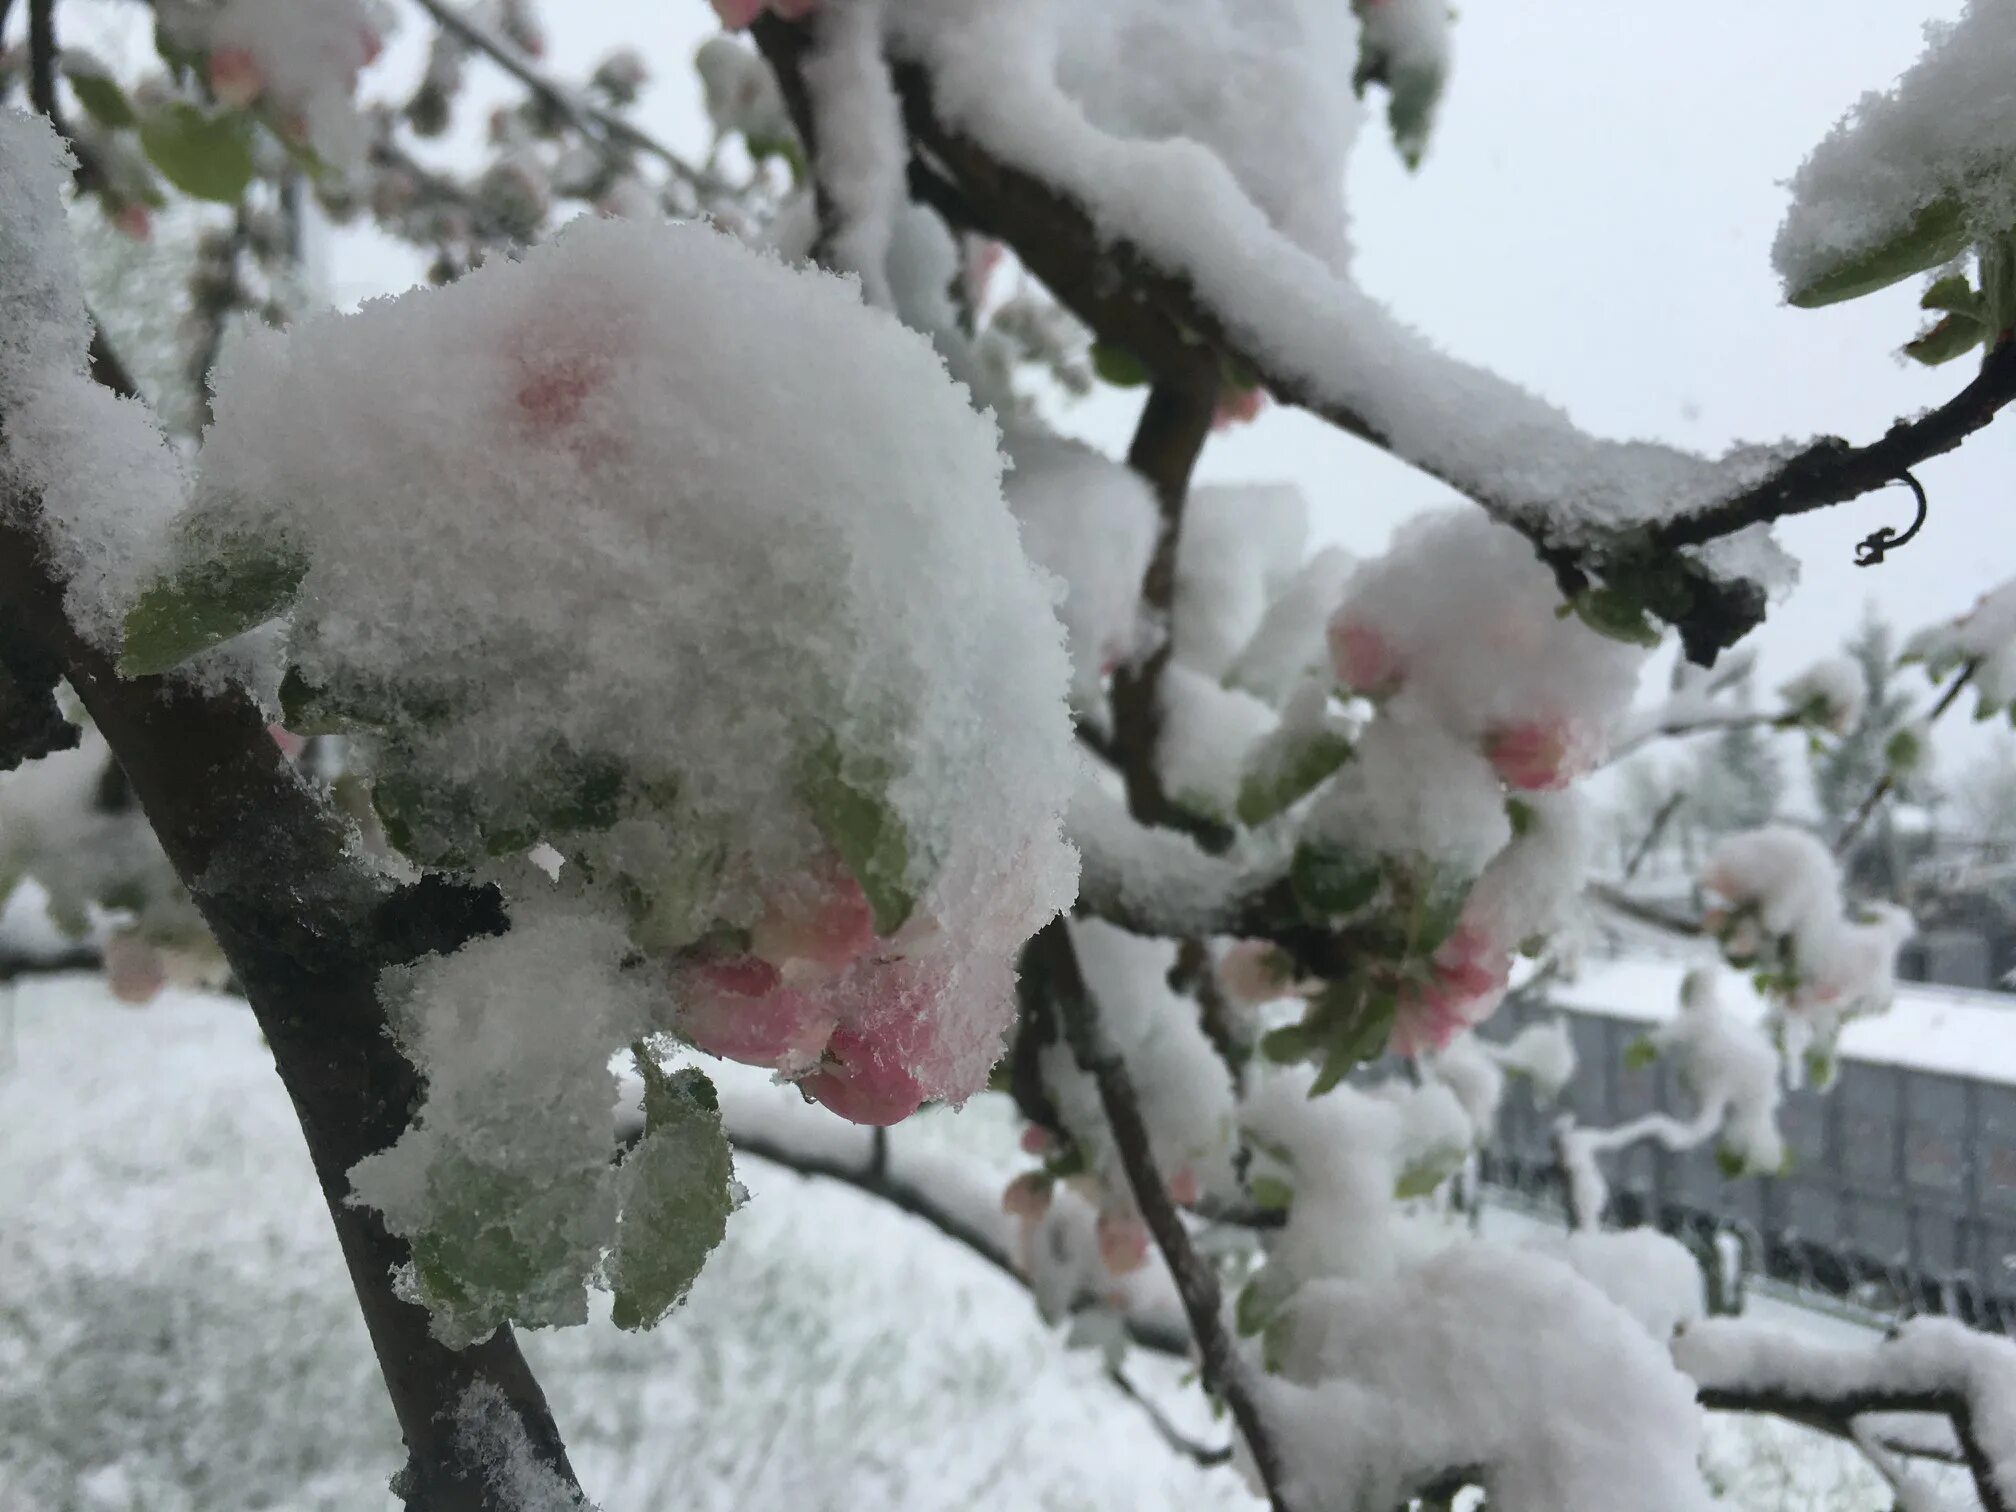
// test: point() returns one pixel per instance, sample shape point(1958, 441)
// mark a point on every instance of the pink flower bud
point(1184, 1188)
point(1027, 1197)
point(738, 14)
point(1252, 972)
point(1238, 406)
point(134, 969)
point(235, 77)
point(1037, 1140)
point(1365, 661)
point(1468, 977)
point(1123, 1242)
point(1540, 755)
point(861, 1084)
point(823, 921)
point(738, 1008)
point(133, 220)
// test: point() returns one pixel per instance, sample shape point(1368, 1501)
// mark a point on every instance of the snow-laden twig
point(1929, 1365)
point(1225, 1370)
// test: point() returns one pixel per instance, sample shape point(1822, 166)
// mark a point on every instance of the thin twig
point(1652, 833)
point(1201, 1454)
point(1888, 780)
point(1225, 1371)
point(603, 129)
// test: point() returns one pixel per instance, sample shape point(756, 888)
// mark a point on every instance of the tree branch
point(1881, 790)
point(1157, 312)
point(1740, 1366)
point(1174, 424)
point(604, 130)
point(42, 62)
point(306, 929)
point(1225, 1370)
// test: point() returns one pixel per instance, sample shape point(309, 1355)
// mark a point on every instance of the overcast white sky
point(1594, 220)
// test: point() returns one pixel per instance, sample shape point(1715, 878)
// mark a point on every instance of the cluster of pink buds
point(1467, 977)
point(238, 80)
point(1541, 755)
point(820, 997)
point(1120, 1233)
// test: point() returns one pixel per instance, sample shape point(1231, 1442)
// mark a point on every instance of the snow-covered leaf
point(207, 156)
point(677, 1193)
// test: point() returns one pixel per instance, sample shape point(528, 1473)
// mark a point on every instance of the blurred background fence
point(1899, 1197)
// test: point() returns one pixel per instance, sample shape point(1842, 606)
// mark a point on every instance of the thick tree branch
point(1158, 313)
point(1225, 1369)
point(42, 62)
point(306, 930)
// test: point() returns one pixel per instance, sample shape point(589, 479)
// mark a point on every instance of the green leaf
point(1615, 615)
point(238, 585)
point(1640, 1053)
point(1519, 814)
point(1364, 1025)
point(1118, 366)
point(1251, 1310)
point(677, 1192)
point(1955, 336)
point(1952, 293)
point(855, 817)
point(1289, 1043)
point(1937, 234)
point(1329, 881)
point(1421, 1177)
point(207, 156)
point(1730, 1162)
point(102, 97)
point(1282, 778)
point(1903, 750)
point(1271, 1194)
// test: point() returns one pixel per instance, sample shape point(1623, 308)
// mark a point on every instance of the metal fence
point(1900, 1194)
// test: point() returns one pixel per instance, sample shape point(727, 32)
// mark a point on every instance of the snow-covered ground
point(176, 1332)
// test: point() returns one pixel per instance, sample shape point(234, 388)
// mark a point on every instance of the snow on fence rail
point(1900, 1191)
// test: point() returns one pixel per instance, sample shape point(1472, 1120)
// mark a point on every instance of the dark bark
point(306, 929)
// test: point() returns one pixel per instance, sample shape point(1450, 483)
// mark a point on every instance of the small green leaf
point(1937, 234)
point(207, 156)
point(1271, 1194)
point(1282, 778)
point(1118, 366)
point(238, 584)
point(1421, 1177)
point(1955, 336)
point(1329, 881)
point(1903, 750)
point(1251, 1311)
point(1640, 1053)
point(1729, 1162)
point(1519, 814)
point(677, 1192)
point(857, 821)
point(1615, 615)
point(1953, 294)
point(1364, 1024)
point(1289, 1043)
point(100, 94)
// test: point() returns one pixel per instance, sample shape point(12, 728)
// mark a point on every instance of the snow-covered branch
point(1929, 1365)
point(1196, 272)
point(1225, 1370)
